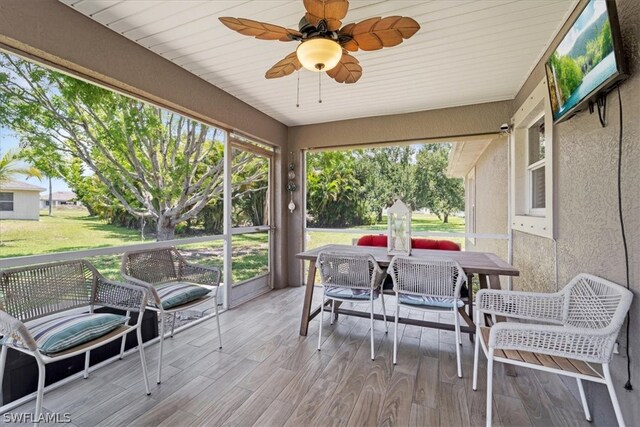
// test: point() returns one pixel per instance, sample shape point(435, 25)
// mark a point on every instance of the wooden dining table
point(488, 266)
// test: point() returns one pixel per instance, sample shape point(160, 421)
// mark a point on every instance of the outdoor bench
point(49, 313)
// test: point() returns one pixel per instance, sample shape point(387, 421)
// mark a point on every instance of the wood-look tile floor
point(268, 375)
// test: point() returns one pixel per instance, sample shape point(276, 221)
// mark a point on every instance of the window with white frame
point(536, 167)
point(531, 166)
point(6, 201)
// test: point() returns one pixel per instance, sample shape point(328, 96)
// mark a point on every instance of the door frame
point(238, 293)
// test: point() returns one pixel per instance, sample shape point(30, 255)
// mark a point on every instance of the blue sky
point(594, 9)
point(8, 141)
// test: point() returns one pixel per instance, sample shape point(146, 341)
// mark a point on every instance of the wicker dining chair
point(47, 311)
point(430, 284)
point(350, 277)
point(174, 285)
point(563, 333)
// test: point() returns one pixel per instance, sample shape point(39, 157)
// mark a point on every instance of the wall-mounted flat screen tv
point(588, 61)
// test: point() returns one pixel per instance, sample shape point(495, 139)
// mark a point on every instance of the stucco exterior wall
point(26, 205)
point(491, 175)
point(588, 232)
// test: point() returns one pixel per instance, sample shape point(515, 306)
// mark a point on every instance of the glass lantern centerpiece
point(399, 234)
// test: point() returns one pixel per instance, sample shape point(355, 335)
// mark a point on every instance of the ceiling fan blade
point(332, 11)
point(376, 33)
point(260, 30)
point(284, 67)
point(347, 71)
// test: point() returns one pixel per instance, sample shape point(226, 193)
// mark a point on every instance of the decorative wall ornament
point(291, 185)
point(399, 229)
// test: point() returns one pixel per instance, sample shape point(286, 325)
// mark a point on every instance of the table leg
point(337, 306)
point(484, 284)
point(308, 298)
point(470, 296)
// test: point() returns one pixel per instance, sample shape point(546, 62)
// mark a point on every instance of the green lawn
point(66, 230)
point(73, 229)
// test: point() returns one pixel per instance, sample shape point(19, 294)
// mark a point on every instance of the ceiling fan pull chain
point(298, 91)
point(319, 88)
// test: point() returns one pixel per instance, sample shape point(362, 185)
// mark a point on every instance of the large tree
point(335, 197)
point(386, 174)
point(438, 192)
point(155, 163)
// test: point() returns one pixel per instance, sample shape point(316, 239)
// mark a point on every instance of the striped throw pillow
point(173, 294)
point(65, 332)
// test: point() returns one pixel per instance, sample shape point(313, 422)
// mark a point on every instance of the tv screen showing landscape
point(584, 61)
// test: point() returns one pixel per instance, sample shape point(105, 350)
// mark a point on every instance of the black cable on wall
point(628, 385)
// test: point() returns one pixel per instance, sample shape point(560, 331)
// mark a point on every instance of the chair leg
point(122, 344)
point(124, 338)
point(476, 355)
point(161, 347)
point(40, 394)
point(215, 309)
point(87, 358)
point(489, 386)
point(612, 394)
point(320, 320)
point(333, 305)
point(583, 398)
point(3, 362)
point(173, 323)
point(384, 314)
point(143, 360)
point(458, 341)
point(373, 355)
point(395, 333)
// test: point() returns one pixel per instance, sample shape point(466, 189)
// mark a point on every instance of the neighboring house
point(19, 200)
point(59, 198)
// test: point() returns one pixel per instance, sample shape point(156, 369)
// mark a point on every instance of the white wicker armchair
point(350, 277)
point(574, 328)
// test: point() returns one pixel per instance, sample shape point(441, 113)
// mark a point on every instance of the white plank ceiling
point(467, 52)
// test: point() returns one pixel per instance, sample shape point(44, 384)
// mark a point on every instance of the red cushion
point(379, 240)
point(417, 243)
point(443, 245)
point(448, 245)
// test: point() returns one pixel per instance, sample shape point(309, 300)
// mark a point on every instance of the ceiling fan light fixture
point(319, 54)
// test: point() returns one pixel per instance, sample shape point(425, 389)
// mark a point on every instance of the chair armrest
point(199, 274)
point(151, 290)
point(10, 327)
point(522, 305)
point(380, 275)
point(589, 345)
point(122, 296)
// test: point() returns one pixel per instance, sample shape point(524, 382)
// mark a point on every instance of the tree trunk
point(166, 229)
point(446, 218)
point(379, 216)
point(50, 197)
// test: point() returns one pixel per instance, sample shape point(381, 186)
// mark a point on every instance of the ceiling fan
point(324, 45)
